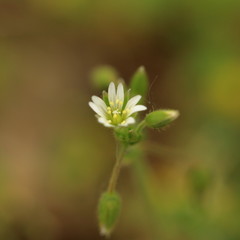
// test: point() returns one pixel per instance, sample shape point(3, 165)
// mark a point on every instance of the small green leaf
point(108, 211)
point(161, 118)
point(139, 83)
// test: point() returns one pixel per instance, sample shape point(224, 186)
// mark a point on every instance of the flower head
point(116, 111)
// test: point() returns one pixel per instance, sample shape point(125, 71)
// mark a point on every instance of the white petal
point(101, 120)
point(108, 125)
point(128, 121)
point(96, 109)
point(104, 122)
point(133, 101)
point(111, 92)
point(137, 108)
point(99, 102)
point(120, 92)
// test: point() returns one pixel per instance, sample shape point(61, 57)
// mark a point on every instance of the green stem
point(140, 126)
point(121, 149)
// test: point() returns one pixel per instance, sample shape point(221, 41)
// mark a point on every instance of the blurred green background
point(55, 159)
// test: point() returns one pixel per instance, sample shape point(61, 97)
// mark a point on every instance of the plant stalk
point(121, 149)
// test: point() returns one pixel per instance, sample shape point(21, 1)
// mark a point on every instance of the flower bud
point(103, 75)
point(139, 83)
point(161, 118)
point(108, 212)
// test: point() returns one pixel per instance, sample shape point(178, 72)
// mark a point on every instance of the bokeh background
point(55, 159)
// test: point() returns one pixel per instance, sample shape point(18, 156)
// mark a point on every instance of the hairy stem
point(141, 126)
point(121, 149)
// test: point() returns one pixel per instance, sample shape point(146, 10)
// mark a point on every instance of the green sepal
point(108, 211)
point(105, 97)
point(127, 135)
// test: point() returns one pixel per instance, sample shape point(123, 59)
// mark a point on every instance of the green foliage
point(161, 118)
point(139, 83)
point(108, 211)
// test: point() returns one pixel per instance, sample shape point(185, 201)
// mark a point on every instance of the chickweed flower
point(116, 110)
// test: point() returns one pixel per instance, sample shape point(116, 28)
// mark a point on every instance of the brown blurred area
point(55, 159)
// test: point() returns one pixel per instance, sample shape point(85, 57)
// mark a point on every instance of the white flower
point(116, 112)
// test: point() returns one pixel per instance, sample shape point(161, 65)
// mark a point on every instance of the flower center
point(115, 114)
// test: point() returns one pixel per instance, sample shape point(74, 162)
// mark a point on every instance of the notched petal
point(111, 92)
point(96, 109)
point(133, 101)
point(120, 92)
point(99, 102)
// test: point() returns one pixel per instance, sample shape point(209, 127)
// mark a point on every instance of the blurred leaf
point(101, 76)
point(139, 83)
